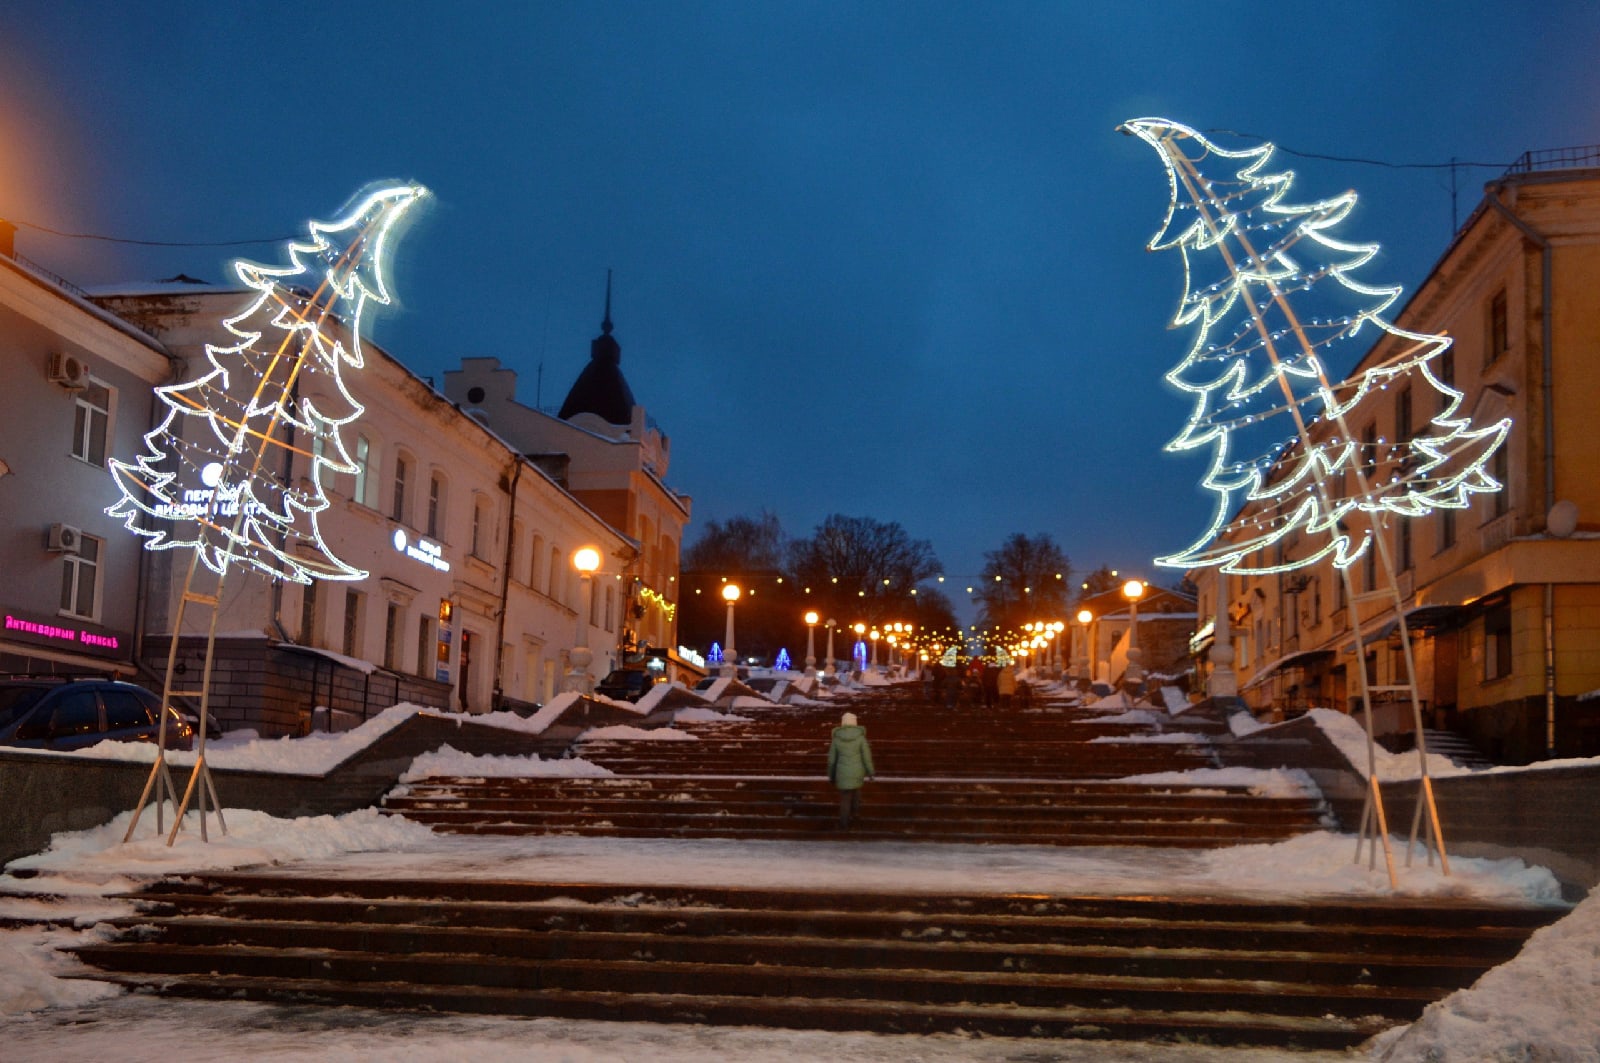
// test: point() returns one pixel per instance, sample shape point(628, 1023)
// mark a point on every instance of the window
point(1402, 415)
point(535, 559)
point(553, 574)
point(124, 709)
point(1403, 532)
point(91, 422)
point(480, 529)
point(1340, 592)
point(425, 647)
point(363, 458)
point(1499, 332)
point(80, 580)
point(402, 476)
point(308, 614)
point(391, 637)
point(435, 525)
point(77, 713)
point(1447, 529)
point(1497, 641)
point(1369, 566)
point(1445, 370)
point(352, 623)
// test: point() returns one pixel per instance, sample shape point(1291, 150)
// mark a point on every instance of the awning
point(1420, 620)
point(1298, 659)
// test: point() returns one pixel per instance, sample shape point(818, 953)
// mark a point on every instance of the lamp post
point(1056, 628)
point(586, 560)
point(874, 636)
point(730, 656)
point(811, 643)
point(829, 668)
point(1083, 663)
point(1133, 590)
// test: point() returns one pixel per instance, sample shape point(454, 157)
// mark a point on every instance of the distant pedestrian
point(990, 681)
point(849, 766)
point(1005, 685)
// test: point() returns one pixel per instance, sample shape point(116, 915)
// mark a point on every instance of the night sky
point(880, 259)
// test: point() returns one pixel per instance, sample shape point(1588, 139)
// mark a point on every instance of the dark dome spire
point(601, 389)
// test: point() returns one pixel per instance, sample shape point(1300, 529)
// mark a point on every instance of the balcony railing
point(1496, 533)
point(1556, 159)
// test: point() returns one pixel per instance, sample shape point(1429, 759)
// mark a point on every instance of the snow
point(448, 761)
point(703, 715)
point(626, 733)
point(1539, 1007)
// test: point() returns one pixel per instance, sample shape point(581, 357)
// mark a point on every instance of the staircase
point(1320, 974)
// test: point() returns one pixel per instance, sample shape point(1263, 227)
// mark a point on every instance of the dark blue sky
point(883, 259)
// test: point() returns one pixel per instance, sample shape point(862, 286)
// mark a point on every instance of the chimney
point(8, 239)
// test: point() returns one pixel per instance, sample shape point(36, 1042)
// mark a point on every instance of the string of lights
point(1265, 330)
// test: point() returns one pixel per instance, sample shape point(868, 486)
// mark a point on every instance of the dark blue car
point(42, 713)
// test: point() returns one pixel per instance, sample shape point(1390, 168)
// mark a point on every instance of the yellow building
point(1502, 598)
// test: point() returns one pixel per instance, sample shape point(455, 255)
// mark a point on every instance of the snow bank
point(698, 714)
point(448, 761)
point(625, 733)
point(1263, 782)
point(1348, 734)
point(1538, 1007)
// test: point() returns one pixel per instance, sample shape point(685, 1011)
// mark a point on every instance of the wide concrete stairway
point(1045, 774)
point(1227, 971)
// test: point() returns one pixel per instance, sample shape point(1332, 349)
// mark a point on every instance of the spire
point(601, 388)
point(605, 325)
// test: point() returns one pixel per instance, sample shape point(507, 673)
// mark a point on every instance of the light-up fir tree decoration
point(1274, 302)
point(214, 476)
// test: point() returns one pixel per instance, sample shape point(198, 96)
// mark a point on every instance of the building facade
point(603, 448)
point(1502, 598)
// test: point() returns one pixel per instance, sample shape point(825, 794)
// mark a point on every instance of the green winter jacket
point(849, 758)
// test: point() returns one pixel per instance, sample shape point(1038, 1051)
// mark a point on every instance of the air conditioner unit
point(68, 371)
point(65, 539)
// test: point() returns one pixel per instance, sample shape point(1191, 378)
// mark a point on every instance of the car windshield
point(14, 701)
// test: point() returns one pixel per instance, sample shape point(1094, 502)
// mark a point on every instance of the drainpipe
point(1547, 398)
point(505, 586)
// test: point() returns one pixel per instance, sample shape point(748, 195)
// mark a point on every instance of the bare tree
point(736, 546)
point(1027, 579)
point(860, 568)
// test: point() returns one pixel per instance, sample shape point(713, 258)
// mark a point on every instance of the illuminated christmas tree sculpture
point(1276, 308)
point(1274, 301)
point(214, 477)
point(235, 470)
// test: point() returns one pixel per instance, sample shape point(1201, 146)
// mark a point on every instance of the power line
point(1451, 165)
point(150, 243)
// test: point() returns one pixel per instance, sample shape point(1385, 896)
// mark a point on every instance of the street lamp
point(874, 636)
point(829, 668)
point(586, 560)
point(730, 656)
point(1133, 590)
point(1084, 661)
point(811, 642)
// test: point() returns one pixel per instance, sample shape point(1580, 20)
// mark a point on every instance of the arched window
point(535, 560)
point(403, 466)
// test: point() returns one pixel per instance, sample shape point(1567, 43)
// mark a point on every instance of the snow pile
point(33, 972)
point(1140, 717)
point(1262, 782)
point(1164, 736)
point(551, 711)
point(704, 715)
point(1539, 1006)
point(623, 732)
point(1347, 733)
point(252, 838)
point(749, 704)
point(448, 761)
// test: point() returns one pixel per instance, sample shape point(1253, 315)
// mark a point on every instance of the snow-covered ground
point(1540, 1007)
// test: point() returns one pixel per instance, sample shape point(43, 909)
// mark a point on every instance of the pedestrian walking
point(1006, 685)
point(849, 766)
point(990, 681)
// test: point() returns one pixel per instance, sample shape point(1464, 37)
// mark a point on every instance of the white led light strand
point(214, 476)
point(1266, 328)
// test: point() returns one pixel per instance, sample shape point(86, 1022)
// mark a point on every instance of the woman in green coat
point(849, 765)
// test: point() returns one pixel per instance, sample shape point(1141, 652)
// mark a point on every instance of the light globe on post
point(1084, 659)
point(730, 657)
point(811, 619)
point(1133, 678)
point(586, 560)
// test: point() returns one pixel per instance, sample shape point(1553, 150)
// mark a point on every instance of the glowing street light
point(1082, 663)
point(1133, 590)
point(811, 619)
point(586, 560)
point(730, 656)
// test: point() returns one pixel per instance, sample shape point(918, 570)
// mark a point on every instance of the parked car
point(626, 684)
point(44, 713)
